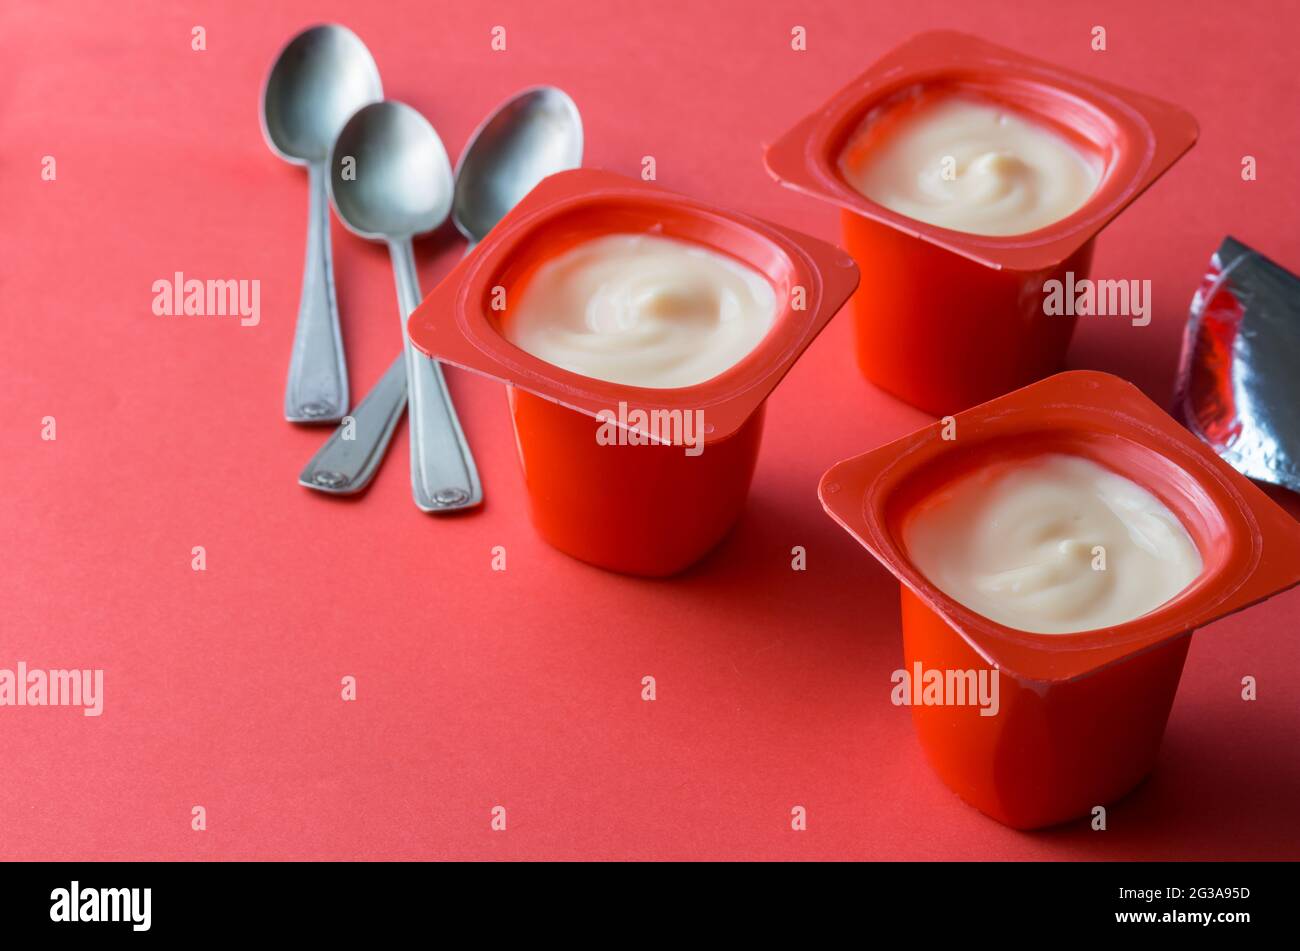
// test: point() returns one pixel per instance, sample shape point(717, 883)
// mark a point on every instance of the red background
point(522, 688)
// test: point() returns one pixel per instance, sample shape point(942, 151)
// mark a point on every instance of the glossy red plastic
point(1081, 715)
point(640, 509)
point(946, 319)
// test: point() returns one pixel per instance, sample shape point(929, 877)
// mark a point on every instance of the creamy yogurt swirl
point(642, 310)
point(971, 166)
point(1020, 545)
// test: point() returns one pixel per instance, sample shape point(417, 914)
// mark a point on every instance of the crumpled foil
point(1239, 375)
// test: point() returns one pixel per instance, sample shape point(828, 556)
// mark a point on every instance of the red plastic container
point(946, 319)
point(646, 509)
point(1081, 715)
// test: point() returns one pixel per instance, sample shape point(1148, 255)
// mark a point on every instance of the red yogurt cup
point(1080, 716)
point(644, 509)
point(946, 319)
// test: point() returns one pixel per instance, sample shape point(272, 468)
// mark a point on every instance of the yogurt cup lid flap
point(1237, 383)
point(1136, 138)
point(1250, 546)
point(459, 321)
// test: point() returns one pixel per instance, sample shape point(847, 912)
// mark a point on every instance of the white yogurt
point(972, 166)
point(1054, 545)
point(642, 310)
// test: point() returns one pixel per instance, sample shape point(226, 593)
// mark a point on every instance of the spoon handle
point(317, 391)
point(351, 456)
point(443, 475)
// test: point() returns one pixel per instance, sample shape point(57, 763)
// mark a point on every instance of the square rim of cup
point(805, 158)
point(454, 325)
point(1261, 538)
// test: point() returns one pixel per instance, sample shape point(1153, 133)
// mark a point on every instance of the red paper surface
point(481, 688)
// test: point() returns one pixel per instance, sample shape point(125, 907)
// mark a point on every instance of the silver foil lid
point(1239, 375)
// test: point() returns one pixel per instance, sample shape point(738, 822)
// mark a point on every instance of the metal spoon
point(390, 180)
point(530, 136)
point(320, 78)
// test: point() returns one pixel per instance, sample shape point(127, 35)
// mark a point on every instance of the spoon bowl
point(399, 183)
point(321, 77)
point(530, 136)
